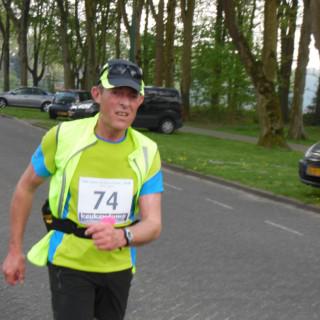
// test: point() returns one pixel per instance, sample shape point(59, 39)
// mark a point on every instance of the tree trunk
point(21, 25)
point(146, 48)
point(262, 73)
point(187, 11)
point(169, 52)
point(118, 30)
point(5, 54)
point(159, 55)
point(217, 67)
point(69, 81)
point(41, 40)
point(296, 129)
point(22, 38)
point(288, 17)
point(317, 104)
point(315, 17)
point(91, 65)
point(133, 29)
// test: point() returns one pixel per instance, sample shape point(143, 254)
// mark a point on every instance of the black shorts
point(79, 295)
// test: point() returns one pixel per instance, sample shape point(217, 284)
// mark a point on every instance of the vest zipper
point(63, 184)
point(140, 183)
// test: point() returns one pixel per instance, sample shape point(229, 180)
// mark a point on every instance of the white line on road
point(173, 187)
point(220, 204)
point(283, 227)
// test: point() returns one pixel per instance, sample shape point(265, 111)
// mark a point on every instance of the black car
point(161, 110)
point(309, 166)
point(83, 109)
point(64, 99)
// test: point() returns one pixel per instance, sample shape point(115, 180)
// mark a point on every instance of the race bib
point(99, 198)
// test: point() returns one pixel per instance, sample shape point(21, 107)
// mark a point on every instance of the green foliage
point(219, 77)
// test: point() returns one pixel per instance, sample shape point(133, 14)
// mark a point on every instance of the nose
point(124, 102)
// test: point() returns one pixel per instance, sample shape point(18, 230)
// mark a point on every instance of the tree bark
point(288, 16)
point(296, 129)
point(146, 48)
point(69, 80)
point(41, 39)
point(315, 17)
point(21, 24)
point(133, 29)
point(219, 36)
point(262, 73)
point(159, 55)
point(118, 30)
point(169, 43)
point(317, 104)
point(187, 11)
point(91, 61)
point(5, 55)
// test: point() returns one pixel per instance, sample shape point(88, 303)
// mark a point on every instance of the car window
point(64, 97)
point(84, 96)
point(23, 91)
point(37, 91)
point(162, 93)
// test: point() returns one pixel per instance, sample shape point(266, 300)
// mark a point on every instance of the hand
point(105, 236)
point(14, 268)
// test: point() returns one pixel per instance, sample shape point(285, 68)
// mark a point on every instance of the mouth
point(122, 114)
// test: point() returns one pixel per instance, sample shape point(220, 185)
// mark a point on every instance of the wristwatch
point(128, 235)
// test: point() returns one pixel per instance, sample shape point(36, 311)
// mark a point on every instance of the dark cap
point(122, 73)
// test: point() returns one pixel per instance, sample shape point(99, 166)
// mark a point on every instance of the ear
point(96, 94)
point(141, 99)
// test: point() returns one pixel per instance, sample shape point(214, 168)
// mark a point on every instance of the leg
point(112, 295)
point(72, 294)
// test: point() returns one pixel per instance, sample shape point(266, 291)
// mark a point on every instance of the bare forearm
point(149, 228)
point(19, 212)
point(145, 232)
point(20, 207)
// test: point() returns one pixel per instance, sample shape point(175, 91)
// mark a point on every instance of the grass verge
point(253, 129)
point(273, 170)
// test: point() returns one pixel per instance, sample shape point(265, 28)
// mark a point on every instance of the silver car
point(26, 97)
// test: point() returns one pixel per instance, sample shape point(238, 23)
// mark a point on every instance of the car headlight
point(313, 151)
point(85, 106)
point(73, 107)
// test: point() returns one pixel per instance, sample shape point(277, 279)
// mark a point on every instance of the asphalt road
point(224, 254)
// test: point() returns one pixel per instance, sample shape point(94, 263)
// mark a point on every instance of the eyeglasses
point(120, 69)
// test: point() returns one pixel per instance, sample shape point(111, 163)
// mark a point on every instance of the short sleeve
point(43, 159)
point(154, 180)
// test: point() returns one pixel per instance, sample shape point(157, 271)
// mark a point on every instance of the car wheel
point(52, 115)
point(167, 126)
point(44, 106)
point(3, 103)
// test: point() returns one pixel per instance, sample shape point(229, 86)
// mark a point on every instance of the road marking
point(283, 228)
point(223, 205)
point(173, 187)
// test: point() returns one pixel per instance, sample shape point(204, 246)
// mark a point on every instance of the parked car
point(309, 166)
point(84, 109)
point(161, 110)
point(64, 99)
point(26, 97)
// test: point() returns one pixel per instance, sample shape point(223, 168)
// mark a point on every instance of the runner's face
point(118, 108)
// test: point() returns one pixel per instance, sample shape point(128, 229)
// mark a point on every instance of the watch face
point(129, 235)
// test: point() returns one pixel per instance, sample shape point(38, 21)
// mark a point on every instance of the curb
point(236, 185)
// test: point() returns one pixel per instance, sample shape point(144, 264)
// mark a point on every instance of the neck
point(108, 133)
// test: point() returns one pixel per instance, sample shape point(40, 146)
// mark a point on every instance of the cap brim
point(121, 82)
